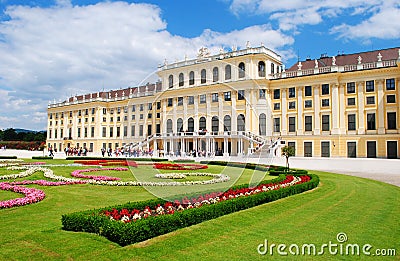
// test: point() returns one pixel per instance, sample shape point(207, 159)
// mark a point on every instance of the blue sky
point(51, 50)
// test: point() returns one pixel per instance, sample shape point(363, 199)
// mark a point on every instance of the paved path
point(385, 170)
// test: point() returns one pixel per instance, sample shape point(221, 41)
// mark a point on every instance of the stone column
point(284, 112)
point(317, 104)
point(300, 110)
point(361, 107)
point(380, 99)
point(335, 108)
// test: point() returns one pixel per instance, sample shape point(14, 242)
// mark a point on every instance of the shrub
point(41, 157)
point(8, 157)
point(94, 221)
point(282, 170)
point(238, 164)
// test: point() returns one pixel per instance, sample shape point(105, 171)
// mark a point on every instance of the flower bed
point(32, 195)
point(104, 162)
point(77, 174)
point(178, 166)
point(138, 221)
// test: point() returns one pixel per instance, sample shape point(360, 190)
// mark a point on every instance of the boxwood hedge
point(93, 221)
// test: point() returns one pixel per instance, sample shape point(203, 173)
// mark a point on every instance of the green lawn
point(367, 211)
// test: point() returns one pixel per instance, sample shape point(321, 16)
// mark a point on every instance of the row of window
point(391, 149)
point(391, 121)
point(216, 74)
point(325, 88)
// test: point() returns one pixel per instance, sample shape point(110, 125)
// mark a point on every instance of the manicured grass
point(367, 211)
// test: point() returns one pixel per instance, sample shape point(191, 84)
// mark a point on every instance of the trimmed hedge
point(128, 233)
point(238, 164)
point(279, 171)
point(41, 157)
point(119, 159)
point(184, 161)
point(8, 157)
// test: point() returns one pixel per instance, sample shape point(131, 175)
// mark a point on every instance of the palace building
point(244, 102)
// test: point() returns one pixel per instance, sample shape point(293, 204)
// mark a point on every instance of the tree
point(288, 152)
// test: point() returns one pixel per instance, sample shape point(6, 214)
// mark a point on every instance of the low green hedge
point(184, 161)
point(246, 165)
point(8, 157)
point(283, 170)
point(41, 157)
point(128, 233)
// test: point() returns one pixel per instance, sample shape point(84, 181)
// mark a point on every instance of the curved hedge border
point(93, 221)
point(8, 157)
point(246, 165)
point(282, 170)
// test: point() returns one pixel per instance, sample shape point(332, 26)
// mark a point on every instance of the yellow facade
point(330, 110)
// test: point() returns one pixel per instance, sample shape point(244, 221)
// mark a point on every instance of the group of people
point(76, 151)
point(126, 152)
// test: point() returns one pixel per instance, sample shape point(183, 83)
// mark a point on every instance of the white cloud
point(63, 50)
point(378, 16)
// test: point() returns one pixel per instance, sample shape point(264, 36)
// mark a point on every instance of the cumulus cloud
point(62, 50)
point(378, 17)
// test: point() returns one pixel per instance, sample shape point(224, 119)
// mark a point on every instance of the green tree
point(288, 152)
point(9, 134)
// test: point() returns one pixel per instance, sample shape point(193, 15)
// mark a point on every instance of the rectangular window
point(325, 149)
point(169, 102)
point(214, 97)
point(292, 144)
point(351, 149)
point(141, 116)
point(292, 92)
point(149, 106)
point(308, 103)
point(391, 121)
point(307, 149)
point(79, 133)
point(158, 115)
point(351, 101)
point(133, 130)
point(190, 100)
point(125, 131)
point(325, 102)
point(351, 87)
point(277, 106)
point(125, 109)
point(262, 94)
point(241, 95)
point(277, 124)
point(86, 112)
point(104, 132)
point(227, 96)
point(92, 132)
point(180, 101)
point(292, 124)
point(277, 94)
point(203, 98)
point(371, 149)
point(133, 108)
point(325, 89)
point(140, 130)
point(133, 116)
point(141, 107)
point(371, 121)
point(371, 100)
point(391, 98)
point(158, 105)
point(325, 123)
point(118, 110)
point(93, 111)
point(308, 123)
point(369, 86)
point(149, 115)
point(351, 122)
point(292, 105)
point(390, 85)
point(308, 91)
point(111, 132)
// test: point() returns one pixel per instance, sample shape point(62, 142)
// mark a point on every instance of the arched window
point(262, 124)
point(203, 76)
point(227, 123)
point(202, 123)
point(272, 68)
point(190, 125)
point(215, 74)
point(191, 78)
point(261, 69)
point(241, 123)
point(214, 124)
point(171, 81)
point(242, 70)
point(169, 126)
point(228, 74)
point(181, 79)
point(179, 125)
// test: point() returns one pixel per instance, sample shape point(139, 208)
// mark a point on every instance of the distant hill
point(27, 131)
